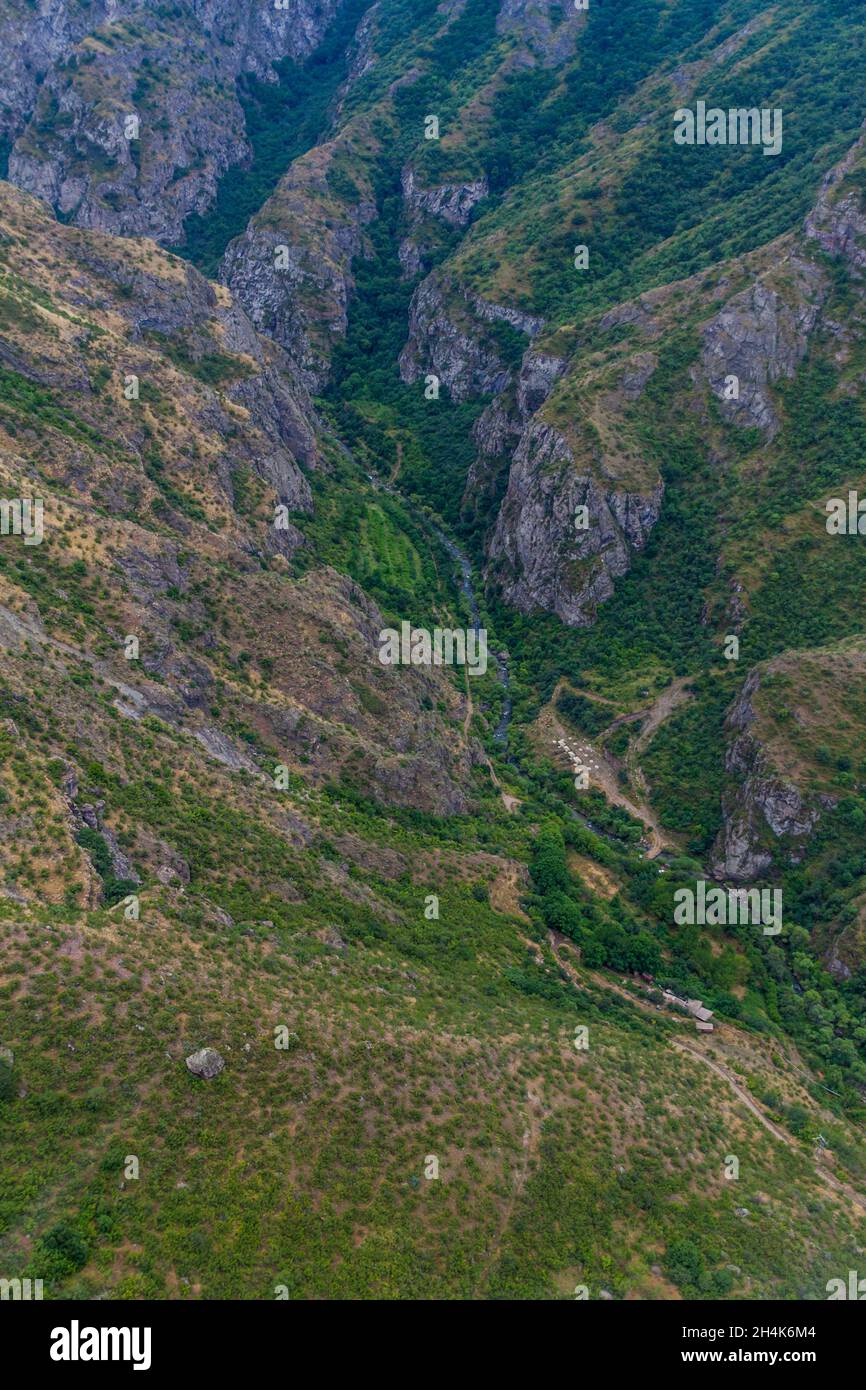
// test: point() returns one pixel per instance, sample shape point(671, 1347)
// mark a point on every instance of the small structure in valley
point(697, 1010)
point(695, 1007)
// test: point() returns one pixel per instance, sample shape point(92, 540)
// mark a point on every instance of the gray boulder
point(206, 1063)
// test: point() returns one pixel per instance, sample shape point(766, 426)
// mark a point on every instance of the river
point(467, 588)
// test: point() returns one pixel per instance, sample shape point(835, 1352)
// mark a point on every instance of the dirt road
point(842, 1188)
point(743, 1095)
point(578, 751)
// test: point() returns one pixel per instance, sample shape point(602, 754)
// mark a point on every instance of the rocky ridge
point(124, 116)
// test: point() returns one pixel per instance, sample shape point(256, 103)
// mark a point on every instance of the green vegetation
point(114, 888)
point(434, 916)
point(283, 120)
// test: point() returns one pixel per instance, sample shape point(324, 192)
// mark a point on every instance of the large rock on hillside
point(206, 1063)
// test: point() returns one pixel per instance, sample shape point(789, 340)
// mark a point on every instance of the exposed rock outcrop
point(235, 391)
point(763, 807)
point(448, 203)
point(292, 267)
point(499, 427)
point(206, 1063)
point(447, 339)
point(125, 115)
point(543, 27)
point(90, 816)
point(759, 337)
point(451, 203)
point(539, 559)
point(34, 40)
point(837, 221)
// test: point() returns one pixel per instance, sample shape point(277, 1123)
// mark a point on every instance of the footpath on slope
point(576, 750)
point(699, 1054)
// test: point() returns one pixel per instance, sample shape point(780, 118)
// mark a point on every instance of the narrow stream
point(500, 734)
point(501, 658)
point(467, 588)
point(465, 573)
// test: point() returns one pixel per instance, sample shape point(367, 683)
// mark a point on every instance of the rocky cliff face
point(760, 337)
point(448, 203)
point(124, 116)
point(221, 392)
point(837, 222)
point(164, 500)
point(447, 339)
point(34, 41)
point(761, 334)
point(498, 429)
point(542, 27)
point(538, 557)
point(767, 817)
point(292, 268)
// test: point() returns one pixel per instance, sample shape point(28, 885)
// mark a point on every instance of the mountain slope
point(286, 366)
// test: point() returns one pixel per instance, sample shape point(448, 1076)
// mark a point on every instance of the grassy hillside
point(377, 891)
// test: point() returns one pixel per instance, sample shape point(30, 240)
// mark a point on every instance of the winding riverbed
point(467, 588)
point(500, 734)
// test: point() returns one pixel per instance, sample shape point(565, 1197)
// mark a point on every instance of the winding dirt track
point(675, 694)
point(602, 772)
point(602, 775)
point(699, 1055)
point(737, 1089)
point(823, 1173)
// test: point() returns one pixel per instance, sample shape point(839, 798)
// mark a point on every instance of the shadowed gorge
point(432, 783)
